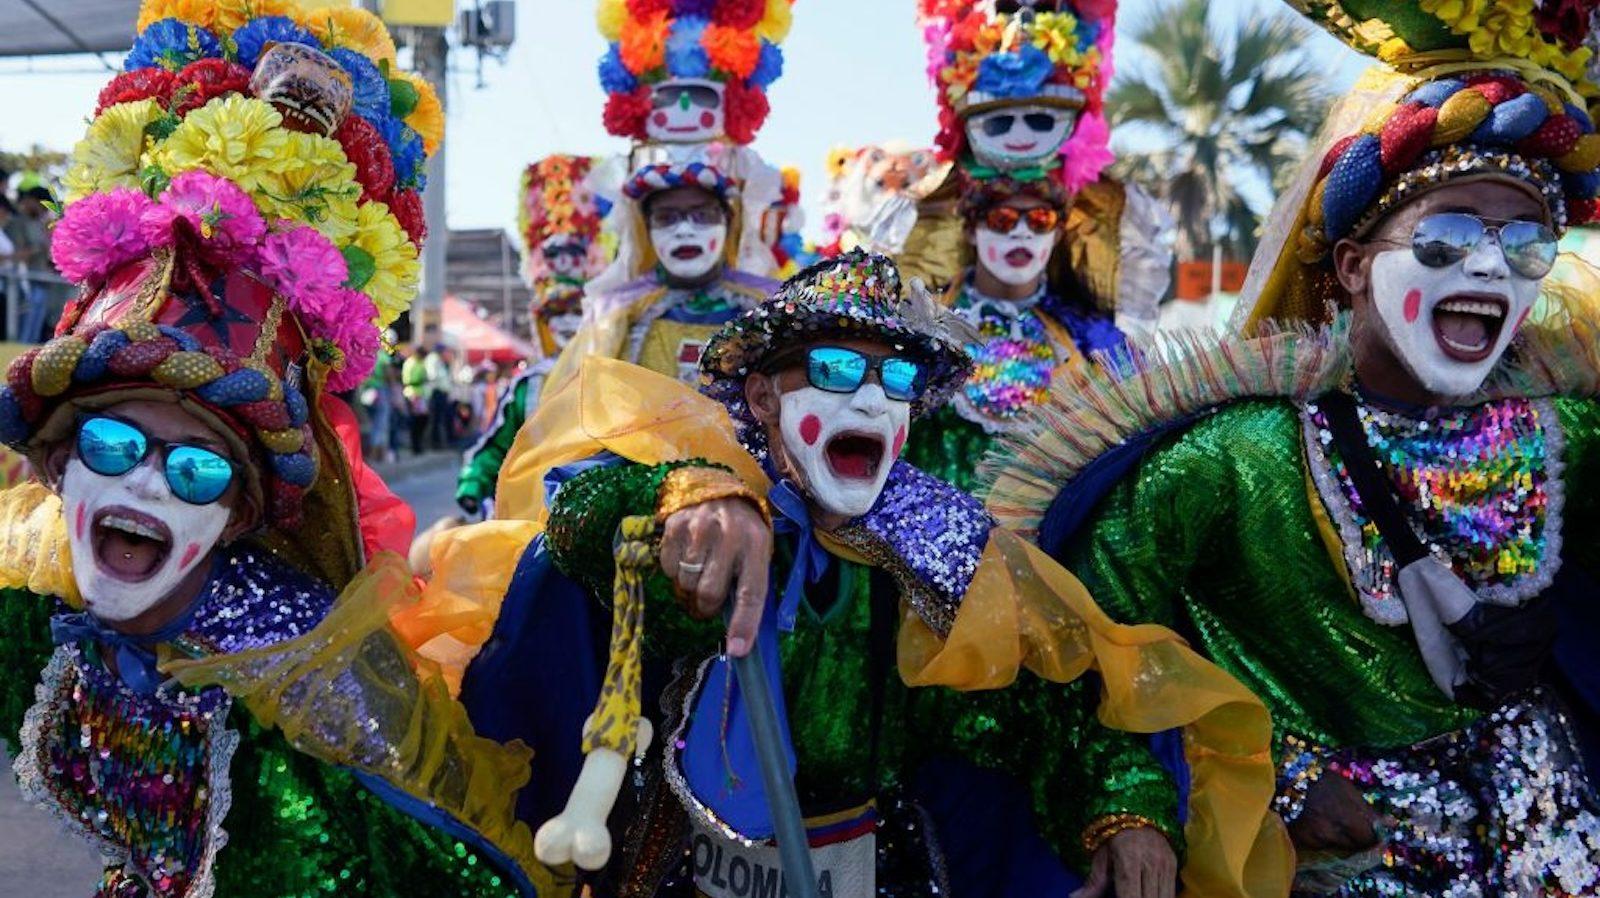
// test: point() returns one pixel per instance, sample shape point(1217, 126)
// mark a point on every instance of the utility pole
point(430, 53)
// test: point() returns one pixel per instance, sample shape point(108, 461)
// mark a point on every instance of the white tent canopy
point(43, 27)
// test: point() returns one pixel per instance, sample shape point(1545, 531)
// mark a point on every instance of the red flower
point(365, 147)
point(643, 9)
point(952, 137)
point(741, 14)
point(140, 84)
point(1567, 21)
point(407, 208)
point(626, 113)
point(964, 33)
point(201, 81)
point(744, 110)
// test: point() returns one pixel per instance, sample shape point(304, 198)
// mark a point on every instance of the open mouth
point(855, 456)
point(1468, 327)
point(1019, 257)
point(130, 545)
point(685, 253)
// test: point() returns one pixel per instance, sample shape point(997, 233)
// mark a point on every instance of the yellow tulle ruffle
point(1021, 610)
point(34, 554)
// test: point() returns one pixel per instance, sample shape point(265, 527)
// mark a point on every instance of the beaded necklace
point(1481, 485)
point(1012, 363)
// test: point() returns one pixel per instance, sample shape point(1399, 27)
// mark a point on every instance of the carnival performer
point(1373, 506)
point(686, 80)
point(203, 681)
point(869, 187)
point(559, 218)
point(893, 591)
point(1042, 255)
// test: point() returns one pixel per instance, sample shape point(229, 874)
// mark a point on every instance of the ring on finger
point(692, 568)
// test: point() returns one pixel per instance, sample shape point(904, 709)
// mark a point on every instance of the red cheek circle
point(80, 519)
point(189, 553)
point(1522, 318)
point(1413, 306)
point(659, 118)
point(707, 120)
point(899, 440)
point(714, 244)
point(810, 429)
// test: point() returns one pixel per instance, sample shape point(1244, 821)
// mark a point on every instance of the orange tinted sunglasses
point(1040, 219)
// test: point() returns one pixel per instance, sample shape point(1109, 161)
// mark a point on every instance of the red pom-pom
point(201, 81)
point(407, 208)
point(1405, 136)
point(964, 33)
point(1334, 152)
point(644, 9)
point(1583, 211)
point(1556, 137)
point(952, 137)
point(141, 84)
point(741, 14)
point(365, 147)
point(625, 114)
point(744, 111)
point(139, 359)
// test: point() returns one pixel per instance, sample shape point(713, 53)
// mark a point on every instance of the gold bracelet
point(687, 487)
point(1101, 830)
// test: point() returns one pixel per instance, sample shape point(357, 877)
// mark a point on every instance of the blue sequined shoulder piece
point(255, 599)
point(933, 534)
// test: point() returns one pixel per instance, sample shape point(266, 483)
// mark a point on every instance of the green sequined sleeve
point(583, 523)
point(480, 466)
point(25, 648)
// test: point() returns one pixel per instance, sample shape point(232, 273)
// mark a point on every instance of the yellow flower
point(775, 24)
point(1056, 33)
point(395, 268)
point(427, 119)
point(357, 29)
point(610, 15)
point(231, 14)
point(109, 153)
point(314, 184)
point(236, 137)
point(193, 12)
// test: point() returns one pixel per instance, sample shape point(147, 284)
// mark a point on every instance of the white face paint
point(686, 111)
point(843, 444)
point(1017, 258)
point(132, 540)
point(564, 255)
point(1449, 326)
point(564, 327)
point(688, 251)
point(1019, 136)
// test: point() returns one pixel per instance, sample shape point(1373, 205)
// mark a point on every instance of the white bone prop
point(578, 834)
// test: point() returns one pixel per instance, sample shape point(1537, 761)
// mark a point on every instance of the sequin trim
point(1368, 560)
point(34, 774)
point(697, 811)
point(1012, 362)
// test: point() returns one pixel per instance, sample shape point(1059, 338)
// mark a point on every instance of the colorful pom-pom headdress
point(1475, 89)
point(684, 71)
point(1020, 83)
point(242, 218)
point(559, 209)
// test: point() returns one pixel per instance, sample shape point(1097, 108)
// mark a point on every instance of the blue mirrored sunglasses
point(840, 370)
point(112, 447)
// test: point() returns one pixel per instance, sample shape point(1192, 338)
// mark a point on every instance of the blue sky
point(854, 75)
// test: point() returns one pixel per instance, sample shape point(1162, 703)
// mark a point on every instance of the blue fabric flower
point(1019, 74)
point(614, 76)
point(769, 66)
point(405, 146)
point(702, 8)
point(251, 38)
point(171, 45)
point(685, 57)
point(1088, 33)
point(372, 89)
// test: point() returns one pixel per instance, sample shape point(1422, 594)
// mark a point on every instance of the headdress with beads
point(1476, 89)
point(242, 218)
point(856, 294)
point(715, 57)
point(985, 55)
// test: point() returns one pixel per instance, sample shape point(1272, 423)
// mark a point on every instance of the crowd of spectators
point(32, 294)
point(426, 398)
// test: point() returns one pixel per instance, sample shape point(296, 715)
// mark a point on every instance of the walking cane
point(794, 851)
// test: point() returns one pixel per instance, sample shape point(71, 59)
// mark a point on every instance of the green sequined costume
point(1043, 733)
point(480, 464)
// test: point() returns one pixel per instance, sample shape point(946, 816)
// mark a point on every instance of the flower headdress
point(985, 55)
point(557, 206)
point(726, 48)
point(243, 217)
point(1485, 88)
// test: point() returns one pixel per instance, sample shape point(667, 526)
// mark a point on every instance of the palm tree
point(1224, 115)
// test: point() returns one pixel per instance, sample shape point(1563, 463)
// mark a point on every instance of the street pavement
point(38, 859)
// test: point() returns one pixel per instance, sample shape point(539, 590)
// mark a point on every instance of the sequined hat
point(856, 294)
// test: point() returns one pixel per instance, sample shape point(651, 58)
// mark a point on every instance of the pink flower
point(222, 214)
point(99, 234)
point(308, 270)
point(1086, 153)
point(355, 334)
point(936, 34)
